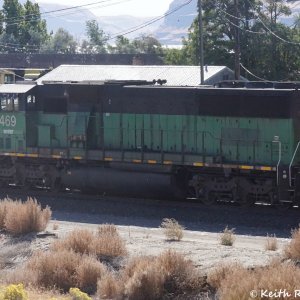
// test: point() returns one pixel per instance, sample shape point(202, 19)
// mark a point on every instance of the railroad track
point(257, 220)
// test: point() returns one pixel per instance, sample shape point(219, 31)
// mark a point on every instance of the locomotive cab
point(13, 116)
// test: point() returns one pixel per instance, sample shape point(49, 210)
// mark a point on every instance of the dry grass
point(109, 229)
point(88, 273)
point(271, 243)
point(12, 252)
point(103, 244)
point(3, 209)
point(65, 269)
point(55, 226)
point(172, 229)
point(292, 250)
point(217, 275)
point(79, 240)
point(18, 217)
point(109, 286)
point(238, 283)
point(55, 269)
point(109, 242)
point(36, 294)
point(227, 237)
point(151, 278)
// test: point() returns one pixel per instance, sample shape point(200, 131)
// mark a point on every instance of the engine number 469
point(8, 120)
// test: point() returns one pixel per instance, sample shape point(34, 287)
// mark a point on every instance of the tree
point(61, 43)
point(33, 28)
point(22, 28)
point(147, 44)
point(123, 46)
point(13, 14)
point(97, 39)
point(262, 48)
point(174, 57)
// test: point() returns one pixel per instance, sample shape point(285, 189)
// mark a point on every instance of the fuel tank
point(119, 181)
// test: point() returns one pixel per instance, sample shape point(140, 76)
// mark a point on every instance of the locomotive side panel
point(199, 125)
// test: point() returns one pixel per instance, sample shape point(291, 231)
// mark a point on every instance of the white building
point(175, 75)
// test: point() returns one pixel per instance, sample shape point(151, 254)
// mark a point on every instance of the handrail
point(279, 160)
point(291, 163)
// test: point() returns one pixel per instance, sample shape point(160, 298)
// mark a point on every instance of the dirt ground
point(203, 248)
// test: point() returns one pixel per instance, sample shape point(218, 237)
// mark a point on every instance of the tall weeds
point(18, 217)
point(292, 250)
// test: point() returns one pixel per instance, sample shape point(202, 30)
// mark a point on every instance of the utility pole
point(237, 48)
point(201, 59)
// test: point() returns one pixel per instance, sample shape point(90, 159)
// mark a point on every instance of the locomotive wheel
point(246, 200)
point(209, 198)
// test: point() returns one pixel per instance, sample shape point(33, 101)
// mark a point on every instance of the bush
point(217, 275)
point(292, 250)
point(66, 269)
point(55, 269)
point(180, 273)
point(145, 284)
point(276, 276)
point(3, 209)
point(227, 237)
point(15, 292)
point(79, 241)
point(172, 229)
point(151, 278)
point(236, 282)
point(17, 217)
point(103, 244)
point(88, 273)
point(109, 242)
point(109, 286)
point(271, 243)
point(77, 294)
point(12, 252)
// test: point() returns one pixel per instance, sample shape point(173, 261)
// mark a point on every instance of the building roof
point(16, 88)
point(175, 75)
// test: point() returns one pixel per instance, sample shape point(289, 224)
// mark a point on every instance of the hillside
point(74, 21)
point(169, 30)
point(176, 24)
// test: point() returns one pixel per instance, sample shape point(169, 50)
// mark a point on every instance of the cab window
point(9, 102)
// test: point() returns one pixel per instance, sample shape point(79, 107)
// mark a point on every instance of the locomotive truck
point(234, 142)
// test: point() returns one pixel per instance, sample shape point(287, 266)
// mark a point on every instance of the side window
point(9, 102)
point(8, 78)
point(30, 102)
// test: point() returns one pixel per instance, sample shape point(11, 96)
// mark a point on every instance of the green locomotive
point(213, 143)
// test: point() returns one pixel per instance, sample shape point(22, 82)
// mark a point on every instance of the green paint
point(230, 140)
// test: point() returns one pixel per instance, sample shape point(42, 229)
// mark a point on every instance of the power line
point(244, 29)
point(79, 10)
point(124, 32)
point(252, 73)
point(145, 24)
point(235, 25)
point(270, 31)
point(54, 11)
point(23, 18)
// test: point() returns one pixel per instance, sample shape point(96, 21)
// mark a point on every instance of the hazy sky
point(142, 8)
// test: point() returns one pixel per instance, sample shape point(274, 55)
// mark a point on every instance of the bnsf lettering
point(8, 120)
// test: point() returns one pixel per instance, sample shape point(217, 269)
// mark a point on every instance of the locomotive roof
point(16, 88)
point(214, 89)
